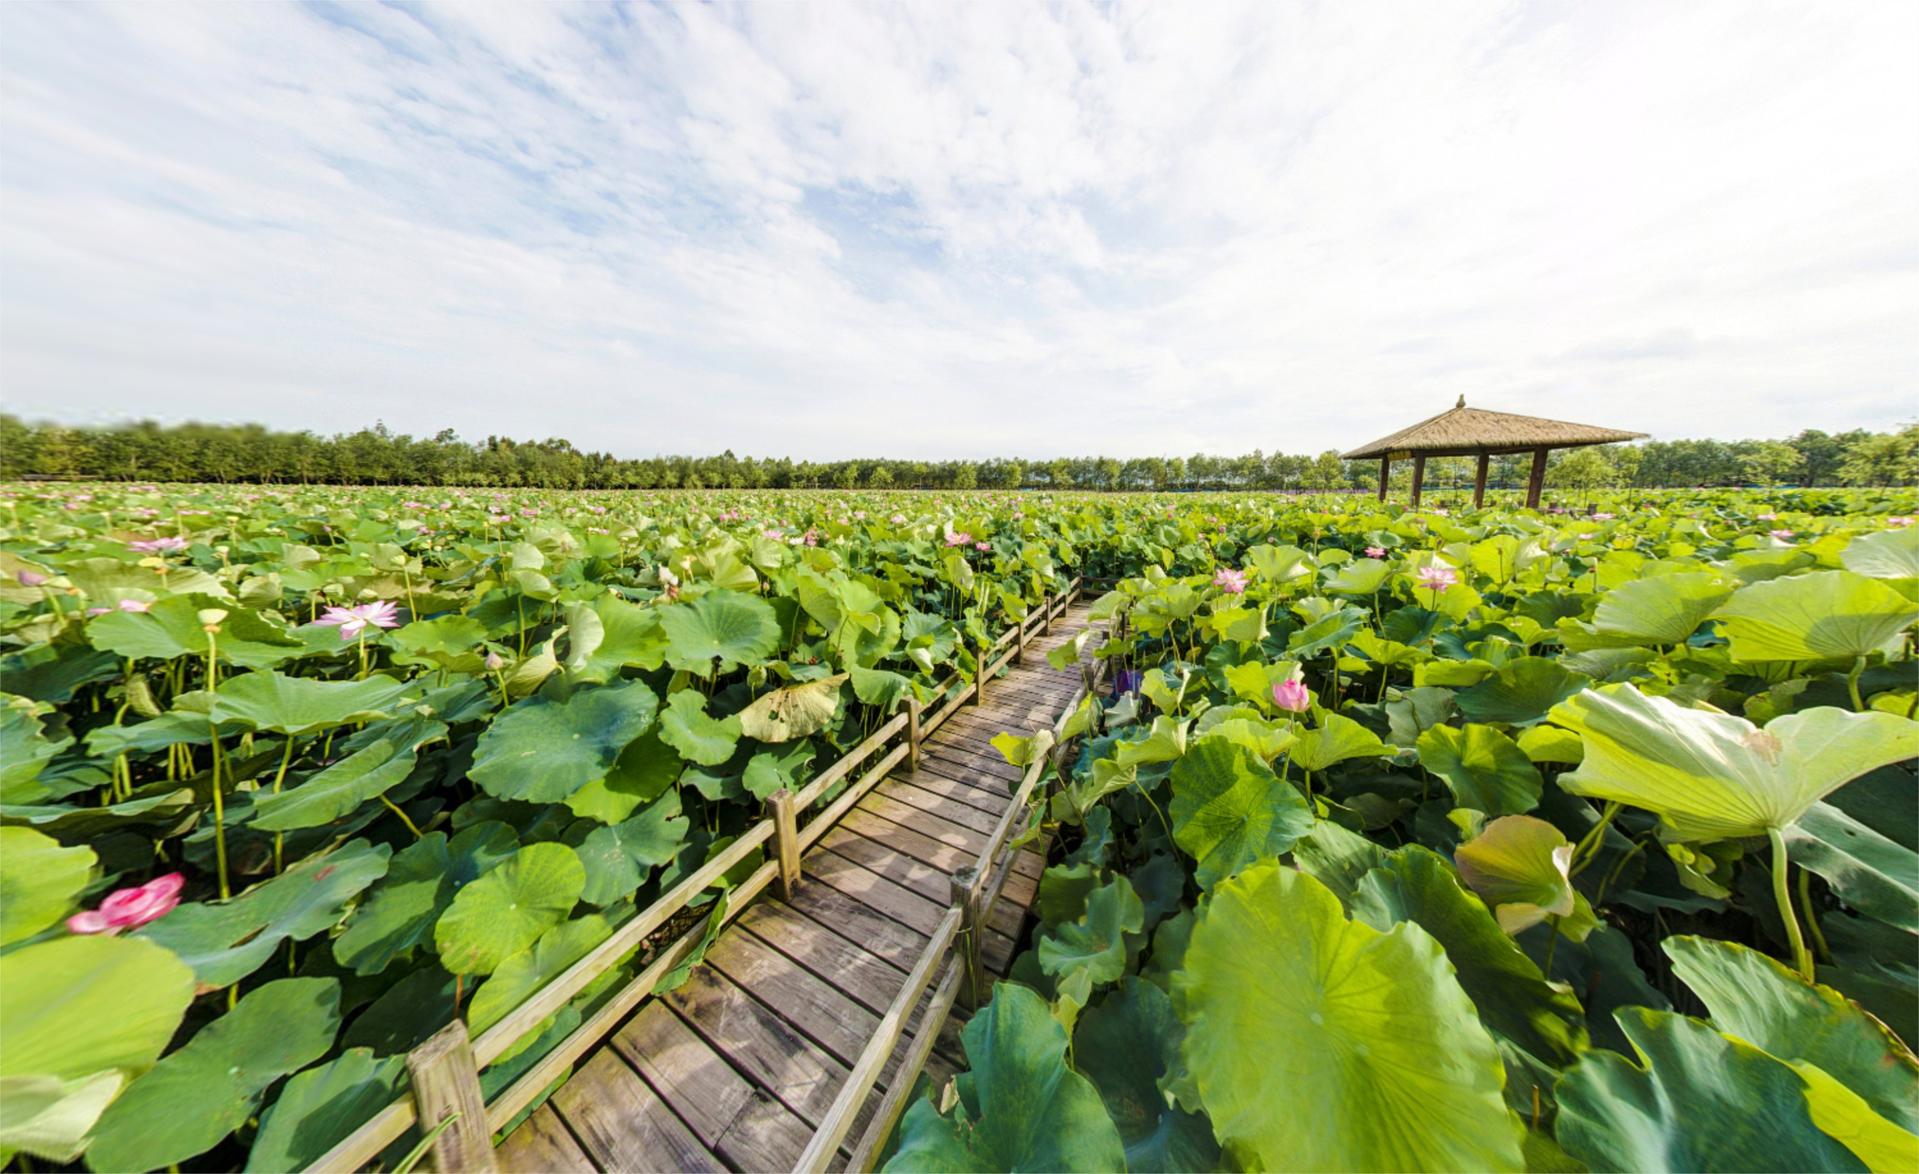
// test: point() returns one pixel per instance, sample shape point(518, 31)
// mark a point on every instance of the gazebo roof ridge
point(1464, 431)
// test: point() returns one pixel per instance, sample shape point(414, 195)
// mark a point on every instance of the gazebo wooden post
point(1385, 475)
point(1479, 480)
point(1419, 475)
point(1537, 481)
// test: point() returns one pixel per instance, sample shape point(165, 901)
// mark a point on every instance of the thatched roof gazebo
point(1465, 432)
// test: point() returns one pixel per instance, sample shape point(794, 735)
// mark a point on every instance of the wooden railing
point(956, 940)
point(444, 1070)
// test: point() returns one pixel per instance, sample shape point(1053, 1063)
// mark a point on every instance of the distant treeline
point(147, 451)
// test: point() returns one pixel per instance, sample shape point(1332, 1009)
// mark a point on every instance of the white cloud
point(828, 230)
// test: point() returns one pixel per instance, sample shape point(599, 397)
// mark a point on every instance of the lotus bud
point(494, 662)
point(31, 578)
point(210, 618)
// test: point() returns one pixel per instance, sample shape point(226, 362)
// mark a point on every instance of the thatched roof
point(1464, 431)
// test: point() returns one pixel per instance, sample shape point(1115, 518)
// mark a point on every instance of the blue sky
point(925, 230)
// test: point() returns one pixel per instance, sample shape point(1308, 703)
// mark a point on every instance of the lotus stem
point(1852, 684)
point(1801, 957)
point(279, 838)
point(1587, 850)
point(1812, 919)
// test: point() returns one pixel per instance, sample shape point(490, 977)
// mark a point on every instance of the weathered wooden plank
point(758, 1043)
point(867, 979)
point(622, 1124)
point(542, 1145)
point(828, 1017)
point(871, 930)
point(695, 1081)
point(949, 790)
point(945, 831)
point(927, 881)
point(922, 847)
point(960, 813)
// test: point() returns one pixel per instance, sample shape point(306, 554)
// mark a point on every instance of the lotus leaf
point(720, 628)
point(209, 1087)
point(794, 711)
point(1127, 1045)
point(1521, 692)
point(1818, 616)
point(320, 1105)
point(400, 912)
point(507, 909)
point(40, 881)
point(543, 750)
point(1280, 991)
point(1229, 809)
point(1486, 770)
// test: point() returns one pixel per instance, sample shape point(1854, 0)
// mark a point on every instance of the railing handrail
point(385, 1127)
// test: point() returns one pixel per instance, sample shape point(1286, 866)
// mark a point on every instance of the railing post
point(1019, 641)
point(1046, 625)
point(979, 678)
point(963, 881)
point(446, 1084)
point(786, 839)
point(913, 733)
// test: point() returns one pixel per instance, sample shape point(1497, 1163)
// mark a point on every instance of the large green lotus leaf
point(50, 1118)
point(1761, 1002)
point(39, 881)
point(76, 1006)
point(84, 823)
point(322, 1105)
point(337, 790)
point(1892, 555)
point(879, 688)
point(686, 726)
point(1229, 809)
point(543, 750)
point(1522, 868)
point(1021, 1107)
point(1514, 999)
point(863, 639)
point(619, 857)
point(406, 1014)
point(1280, 564)
point(268, 700)
point(226, 941)
point(776, 770)
point(1164, 741)
point(25, 751)
point(1095, 942)
point(507, 910)
point(399, 914)
point(1844, 1115)
point(1337, 858)
point(793, 711)
point(1329, 631)
point(1337, 739)
point(1659, 609)
point(1306, 1033)
point(1818, 616)
point(1696, 1101)
point(173, 628)
point(210, 1086)
point(727, 627)
point(449, 642)
point(1870, 872)
point(1521, 692)
point(532, 968)
point(1485, 770)
point(1712, 776)
point(641, 774)
point(1362, 576)
point(1126, 1045)
point(1266, 739)
point(609, 634)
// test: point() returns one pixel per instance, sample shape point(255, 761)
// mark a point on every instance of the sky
point(926, 230)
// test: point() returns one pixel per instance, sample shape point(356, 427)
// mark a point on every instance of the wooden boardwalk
point(736, 1069)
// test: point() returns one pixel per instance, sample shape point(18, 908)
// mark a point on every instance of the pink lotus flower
point(156, 545)
point(134, 605)
point(812, 538)
point(1764, 517)
point(669, 583)
point(982, 546)
point(354, 620)
point(1375, 552)
point(131, 908)
point(1781, 535)
point(1442, 511)
point(1232, 582)
point(898, 519)
point(1292, 696)
point(1602, 516)
point(31, 578)
point(493, 661)
point(1437, 578)
point(958, 538)
point(1895, 520)
point(770, 533)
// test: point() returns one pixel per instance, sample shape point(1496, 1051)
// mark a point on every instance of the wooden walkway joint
point(794, 1044)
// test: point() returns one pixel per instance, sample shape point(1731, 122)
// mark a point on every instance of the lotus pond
point(1441, 840)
